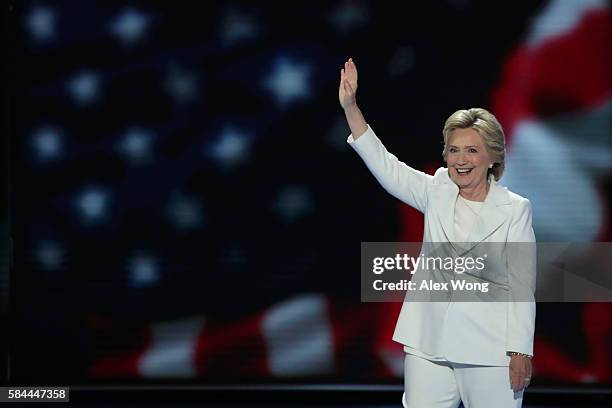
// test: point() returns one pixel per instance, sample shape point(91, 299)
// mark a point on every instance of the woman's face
point(467, 158)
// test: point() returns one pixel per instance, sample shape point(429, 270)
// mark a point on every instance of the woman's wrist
point(352, 108)
point(356, 121)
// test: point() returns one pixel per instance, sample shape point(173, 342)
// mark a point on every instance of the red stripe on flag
point(117, 347)
point(564, 74)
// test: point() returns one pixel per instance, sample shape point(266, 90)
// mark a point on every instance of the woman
point(476, 352)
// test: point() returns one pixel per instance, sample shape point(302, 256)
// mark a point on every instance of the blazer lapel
point(445, 196)
point(494, 212)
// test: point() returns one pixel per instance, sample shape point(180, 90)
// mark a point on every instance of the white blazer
point(463, 332)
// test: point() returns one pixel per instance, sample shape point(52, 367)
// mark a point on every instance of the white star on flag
point(130, 26)
point(289, 81)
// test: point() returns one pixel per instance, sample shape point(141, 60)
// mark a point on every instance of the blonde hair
point(487, 127)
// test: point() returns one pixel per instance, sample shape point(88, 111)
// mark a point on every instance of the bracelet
point(515, 353)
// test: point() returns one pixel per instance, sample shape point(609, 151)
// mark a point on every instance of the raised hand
point(348, 85)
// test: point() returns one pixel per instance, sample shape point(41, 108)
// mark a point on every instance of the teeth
point(463, 170)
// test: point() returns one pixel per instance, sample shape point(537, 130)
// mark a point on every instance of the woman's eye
point(473, 151)
point(453, 150)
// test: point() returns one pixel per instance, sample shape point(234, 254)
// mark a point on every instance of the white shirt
point(466, 213)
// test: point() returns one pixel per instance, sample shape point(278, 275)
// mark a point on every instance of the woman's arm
point(520, 324)
point(356, 121)
point(521, 264)
point(400, 180)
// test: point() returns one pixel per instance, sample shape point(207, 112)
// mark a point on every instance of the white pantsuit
point(462, 333)
point(445, 384)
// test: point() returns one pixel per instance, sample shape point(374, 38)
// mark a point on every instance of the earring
point(491, 165)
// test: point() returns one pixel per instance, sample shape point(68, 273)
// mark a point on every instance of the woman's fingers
point(353, 68)
point(517, 381)
point(347, 65)
point(348, 87)
point(514, 379)
point(348, 80)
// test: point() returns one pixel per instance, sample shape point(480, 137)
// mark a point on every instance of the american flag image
point(184, 206)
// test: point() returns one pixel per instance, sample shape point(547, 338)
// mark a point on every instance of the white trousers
point(432, 384)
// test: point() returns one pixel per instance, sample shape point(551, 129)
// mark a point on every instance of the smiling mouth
point(464, 172)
